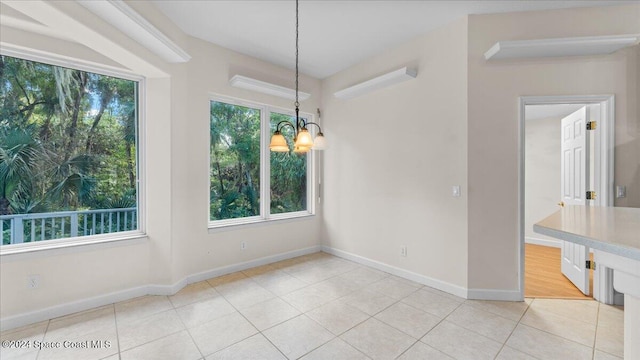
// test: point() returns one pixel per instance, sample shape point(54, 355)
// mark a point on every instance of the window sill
point(71, 245)
point(235, 224)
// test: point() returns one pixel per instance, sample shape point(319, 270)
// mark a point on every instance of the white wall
point(395, 153)
point(177, 168)
point(494, 88)
point(542, 173)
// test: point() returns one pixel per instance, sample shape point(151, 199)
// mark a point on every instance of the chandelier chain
point(297, 103)
point(302, 139)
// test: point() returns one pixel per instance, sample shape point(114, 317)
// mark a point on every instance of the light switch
point(621, 191)
point(455, 191)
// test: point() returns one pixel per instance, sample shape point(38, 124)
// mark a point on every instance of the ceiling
point(334, 35)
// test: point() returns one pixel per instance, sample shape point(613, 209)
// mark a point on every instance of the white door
point(574, 180)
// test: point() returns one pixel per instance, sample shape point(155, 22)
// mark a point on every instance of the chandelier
point(303, 141)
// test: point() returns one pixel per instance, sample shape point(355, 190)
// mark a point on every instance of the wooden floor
point(543, 278)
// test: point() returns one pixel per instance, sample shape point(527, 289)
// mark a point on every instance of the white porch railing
point(16, 229)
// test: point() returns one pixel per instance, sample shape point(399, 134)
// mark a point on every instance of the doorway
point(544, 195)
point(540, 129)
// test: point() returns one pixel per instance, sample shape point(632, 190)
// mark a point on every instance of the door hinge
point(591, 125)
point(591, 195)
point(590, 265)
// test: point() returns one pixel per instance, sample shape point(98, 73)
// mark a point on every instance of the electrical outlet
point(33, 281)
point(403, 251)
point(243, 245)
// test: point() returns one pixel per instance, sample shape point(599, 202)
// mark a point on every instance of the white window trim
point(118, 237)
point(123, 237)
point(265, 180)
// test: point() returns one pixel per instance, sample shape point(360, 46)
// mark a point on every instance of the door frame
point(603, 162)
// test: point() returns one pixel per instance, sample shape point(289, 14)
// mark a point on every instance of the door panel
point(574, 183)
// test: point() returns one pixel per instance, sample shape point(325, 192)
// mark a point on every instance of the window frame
point(265, 167)
point(141, 212)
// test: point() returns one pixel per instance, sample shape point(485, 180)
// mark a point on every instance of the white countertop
point(612, 229)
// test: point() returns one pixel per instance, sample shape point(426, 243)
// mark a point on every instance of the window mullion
point(265, 163)
point(311, 167)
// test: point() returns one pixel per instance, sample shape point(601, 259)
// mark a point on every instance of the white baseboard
point(543, 242)
point(251, 264)
point(425, 280)
point(491, 294)
point(32, 317)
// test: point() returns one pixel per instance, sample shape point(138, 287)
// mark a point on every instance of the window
point(235, 161)
point(247, 182)
point(68, 153)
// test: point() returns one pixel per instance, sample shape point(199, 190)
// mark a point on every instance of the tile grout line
point(395, 303)
point(304, 313)
point(46, 330)
point(407, 349)
point(440, 322)
point(595, 334)
point(146, 317)
point(470, 303)
point(115, 322)
point(400, 301)
point(336, 299)
point(361, 322)
point(241, 314)
point(312, 319)
point(556, 335)
point(185, 325)
point(359, 288)
point(514, 329)
point(252, 324)
point(272, 344)
point(276, 296)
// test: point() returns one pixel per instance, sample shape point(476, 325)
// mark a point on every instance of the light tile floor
point(322, 307)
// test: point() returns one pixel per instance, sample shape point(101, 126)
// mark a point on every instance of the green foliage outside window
point(288, 173)
point(235, 161)
point(67, 139)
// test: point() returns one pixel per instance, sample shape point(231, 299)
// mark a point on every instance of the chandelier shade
point(304, 139)
point(319, 143)
point(278, 143)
